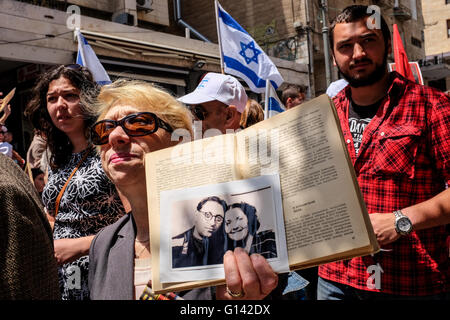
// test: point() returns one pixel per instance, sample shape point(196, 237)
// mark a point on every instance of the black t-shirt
point(358, 118)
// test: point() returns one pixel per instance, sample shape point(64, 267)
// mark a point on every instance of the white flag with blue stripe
point(86, 57)
point(275, 106)
point(243, 57)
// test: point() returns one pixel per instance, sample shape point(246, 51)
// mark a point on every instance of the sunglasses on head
point(134, 125)
point(199, 112)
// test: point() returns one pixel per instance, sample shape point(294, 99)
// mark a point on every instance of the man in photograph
point(194, 247)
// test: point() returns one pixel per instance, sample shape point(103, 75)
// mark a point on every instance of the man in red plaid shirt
point(398, 137)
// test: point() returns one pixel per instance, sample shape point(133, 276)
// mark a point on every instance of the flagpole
point(266, 100)
point(218, 36)
point(81, 53)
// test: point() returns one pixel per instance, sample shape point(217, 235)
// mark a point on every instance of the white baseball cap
point(217, 86)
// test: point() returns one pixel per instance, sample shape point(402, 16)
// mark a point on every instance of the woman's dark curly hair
point(36, 110)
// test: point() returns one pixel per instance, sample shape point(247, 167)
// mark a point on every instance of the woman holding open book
point(136, 118)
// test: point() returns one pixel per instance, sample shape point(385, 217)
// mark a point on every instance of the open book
point(325, 218)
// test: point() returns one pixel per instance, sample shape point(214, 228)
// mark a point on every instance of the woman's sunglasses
point(134, 125)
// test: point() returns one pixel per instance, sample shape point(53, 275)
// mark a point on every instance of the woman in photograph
point(136, 118)
point(89, 201)
point(241, 226)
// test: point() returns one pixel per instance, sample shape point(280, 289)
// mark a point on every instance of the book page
point(186, 165)
point(325, 216)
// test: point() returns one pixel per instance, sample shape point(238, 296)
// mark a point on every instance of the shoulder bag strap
point(58, 199)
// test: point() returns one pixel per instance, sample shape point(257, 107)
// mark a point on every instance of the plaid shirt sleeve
point(404, 159)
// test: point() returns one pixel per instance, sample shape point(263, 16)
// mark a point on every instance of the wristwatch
point(403, 225)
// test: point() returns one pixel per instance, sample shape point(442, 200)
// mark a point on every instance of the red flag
point(401, 59)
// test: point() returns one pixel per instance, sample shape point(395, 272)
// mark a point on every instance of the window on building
point(416, 42)
point(447, 1)
point(448, 28)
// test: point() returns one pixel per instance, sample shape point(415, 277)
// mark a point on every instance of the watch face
point(404, 225)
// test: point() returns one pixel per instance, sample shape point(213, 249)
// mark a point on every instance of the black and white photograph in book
point(197, 231)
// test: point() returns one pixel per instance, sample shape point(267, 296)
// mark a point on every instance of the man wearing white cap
point(218, 102)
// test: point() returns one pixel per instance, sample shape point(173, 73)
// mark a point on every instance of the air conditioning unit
point(123, 18)
point(144, 5)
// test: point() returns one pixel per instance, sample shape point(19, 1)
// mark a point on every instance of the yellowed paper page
point(325, 216)
point(202, 162)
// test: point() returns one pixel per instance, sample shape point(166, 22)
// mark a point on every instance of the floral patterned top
point(89, 203)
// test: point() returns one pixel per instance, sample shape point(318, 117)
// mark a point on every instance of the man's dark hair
point(356, 13)
point(215, 199)
point(292, 91)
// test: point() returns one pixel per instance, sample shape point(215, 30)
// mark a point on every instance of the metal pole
point(219, 40)
point(266, 100)
point(310, 41)
point(180, 21)
point(326, 46)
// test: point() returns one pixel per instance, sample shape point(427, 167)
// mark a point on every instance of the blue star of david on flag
point(240, 47)
point(251, 46)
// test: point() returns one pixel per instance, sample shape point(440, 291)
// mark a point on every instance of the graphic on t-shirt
point(357, 127)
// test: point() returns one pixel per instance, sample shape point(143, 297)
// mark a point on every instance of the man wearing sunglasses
point(217, 102)
point(199, 245)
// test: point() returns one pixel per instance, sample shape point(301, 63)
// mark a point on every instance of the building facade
point(436, 65)
point(147, 40)
point(174, 42)
point(293, 30)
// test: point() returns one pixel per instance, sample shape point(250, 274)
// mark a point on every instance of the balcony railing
point(438, 59)
point(402, 13)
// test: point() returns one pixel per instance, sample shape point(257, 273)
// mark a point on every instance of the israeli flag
point(274, 105)
point(243, 57)
point(86, 57)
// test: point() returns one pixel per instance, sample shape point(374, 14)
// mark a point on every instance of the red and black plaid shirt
point(404, 159)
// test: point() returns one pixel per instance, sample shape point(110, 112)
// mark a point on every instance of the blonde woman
point(136, 118)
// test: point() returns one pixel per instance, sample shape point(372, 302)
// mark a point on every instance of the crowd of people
point(75, 217)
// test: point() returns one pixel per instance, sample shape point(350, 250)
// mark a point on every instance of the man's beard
point(370, 79)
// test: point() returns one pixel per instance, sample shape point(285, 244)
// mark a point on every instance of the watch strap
point(398, 214)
